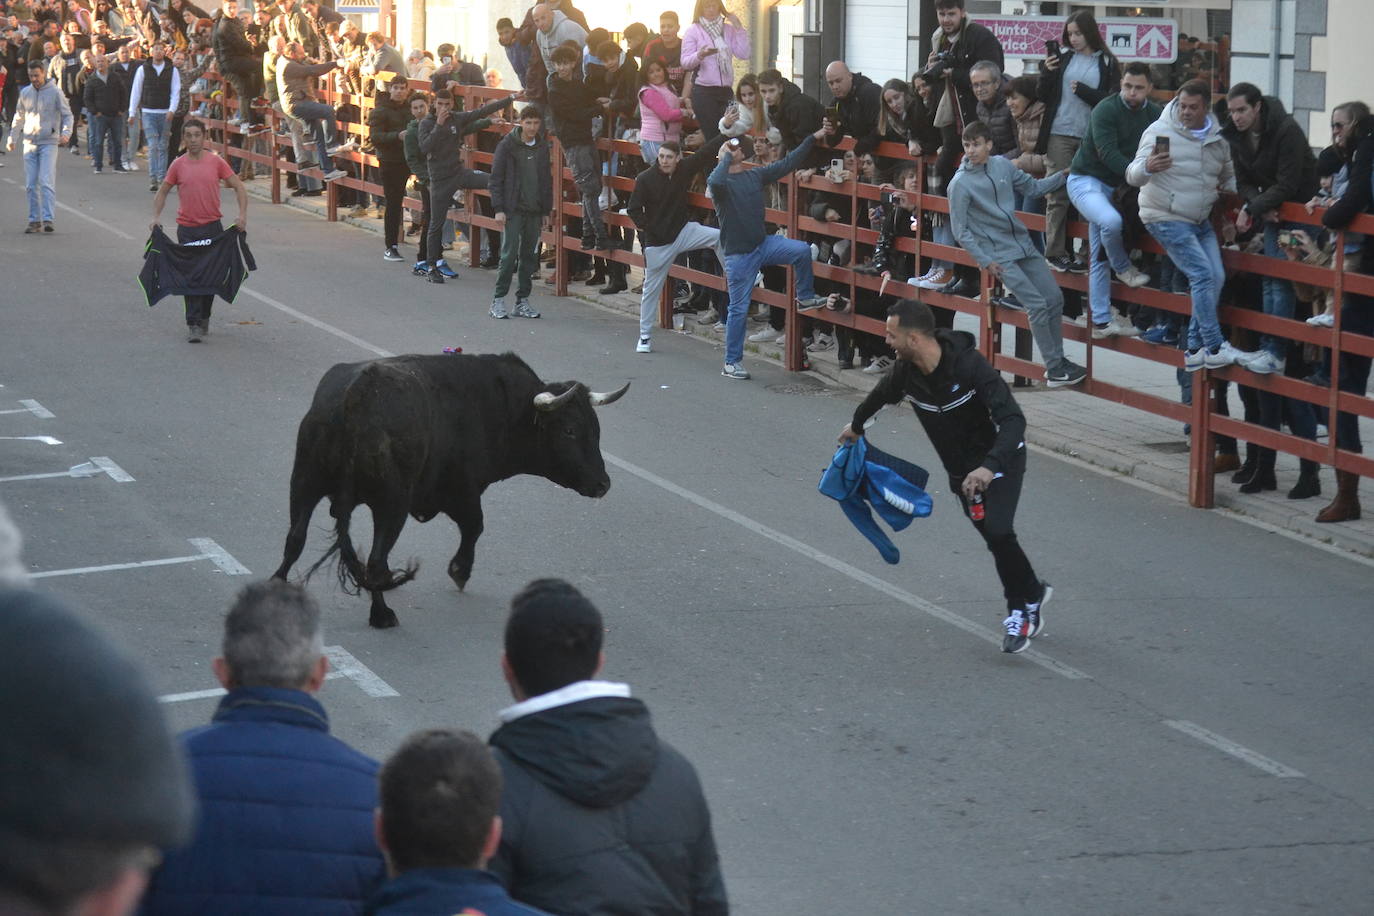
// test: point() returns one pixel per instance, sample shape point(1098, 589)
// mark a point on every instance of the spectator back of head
point(440, 793)
point(91, 782)
point(272, 636)
point(553, 637)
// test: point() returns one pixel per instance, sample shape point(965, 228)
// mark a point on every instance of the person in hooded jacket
point(858, 99)
point(386, 125)
point(794, 114)
point(979, 432)
point(598, 815)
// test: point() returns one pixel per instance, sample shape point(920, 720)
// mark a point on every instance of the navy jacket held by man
point(285, 815)
point(210, 267)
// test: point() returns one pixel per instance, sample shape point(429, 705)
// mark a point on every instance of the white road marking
point(345, 665)
point(209, 551)
point(33, 407)
point(93, 468)
point(315, 322)
point(219, 556)
point(101, 223)
point(46, 440)
point(1239, 751)
point(342, 665)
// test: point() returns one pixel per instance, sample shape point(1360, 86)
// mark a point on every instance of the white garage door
point(875, 38)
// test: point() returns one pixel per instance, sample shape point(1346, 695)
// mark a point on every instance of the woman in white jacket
point(1182, 165)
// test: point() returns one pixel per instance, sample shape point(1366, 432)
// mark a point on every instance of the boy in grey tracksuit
point(983, 212)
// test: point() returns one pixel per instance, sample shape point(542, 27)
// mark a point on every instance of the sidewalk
point(1109, 436)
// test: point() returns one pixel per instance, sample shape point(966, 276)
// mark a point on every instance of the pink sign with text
point(1154, 41)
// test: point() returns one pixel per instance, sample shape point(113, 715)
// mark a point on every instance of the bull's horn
point(601, 399)
point(547, 400)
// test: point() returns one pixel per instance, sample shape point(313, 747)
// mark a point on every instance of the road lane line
point(116, 472)
point(853, 572)
point(219, 556)
point(33, 407)
point(101, 223)
point(315, 322)
point(111, 567)
point(92, 468)
point(345, 665)
point(46, 440)
point(1239, 751)
point(342, 665)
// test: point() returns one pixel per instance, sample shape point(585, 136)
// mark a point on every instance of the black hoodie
point(859, 109)
point(600, 816)
point(1280, 168)
point(964, 406)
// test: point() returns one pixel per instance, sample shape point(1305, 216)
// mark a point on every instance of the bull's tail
point(353, 578)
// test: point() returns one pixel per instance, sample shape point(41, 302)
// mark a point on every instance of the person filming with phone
point(1182, 165)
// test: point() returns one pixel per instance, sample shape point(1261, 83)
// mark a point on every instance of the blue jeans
point(1194, 250)
point(40, 174)
point(1092, 198)
point(107, 129)
point(319, 120)
point(1279, 298)
point(741, 271)
point(648, 151)
point(155, 128)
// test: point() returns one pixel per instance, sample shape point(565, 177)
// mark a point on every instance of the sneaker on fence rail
point(1225, 355)
point(1017, 626)
point(735, 371)
point(960, 287)
point(1117, 326)
point(935, 279)
point(335, 175)
point(1193, 360)
point(391, 254)
point(1133, 277)
point(811, 304)
point(523, 309)
point(1065, 264)
point(1155, 333)
point(347, 146)
point(765, 336)
point(1324, 320)
point(1064, 374)
point(1264, 363)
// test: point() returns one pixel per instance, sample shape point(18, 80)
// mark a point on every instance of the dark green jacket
point(419, 166)
point(1113, 135)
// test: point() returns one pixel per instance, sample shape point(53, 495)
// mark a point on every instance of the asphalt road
point(1191, 735)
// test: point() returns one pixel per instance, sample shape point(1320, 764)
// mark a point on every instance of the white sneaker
point(1226, 355)
point(782, 339)
point(718, 327)
point(644, 346)
point(878, 366)
point(334, 174)
point(935, 279)
point(767, 335)
point(1118, 326)
point(1324, 320)
point(823, 343)
point(346, 147)
point(1263, 363)
point(1133, 277)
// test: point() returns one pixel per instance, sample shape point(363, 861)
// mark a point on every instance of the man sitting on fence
point(297, 79)
point(980, 197)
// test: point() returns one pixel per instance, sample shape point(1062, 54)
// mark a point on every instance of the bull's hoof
point(383, 620)
point(460, 579)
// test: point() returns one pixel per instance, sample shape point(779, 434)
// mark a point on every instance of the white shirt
point(137, 90)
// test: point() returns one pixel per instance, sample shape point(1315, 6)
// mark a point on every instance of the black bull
point(421, 435)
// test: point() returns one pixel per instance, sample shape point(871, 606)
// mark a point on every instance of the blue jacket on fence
point(861, 475)
point(285, 821)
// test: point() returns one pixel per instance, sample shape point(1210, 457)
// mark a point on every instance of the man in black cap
point(91, 783)
point(286, 808)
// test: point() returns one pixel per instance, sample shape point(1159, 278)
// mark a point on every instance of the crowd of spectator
point(574, 805)
point(1079, 132)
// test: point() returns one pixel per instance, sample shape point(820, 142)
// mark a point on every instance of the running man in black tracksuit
point(979, 433)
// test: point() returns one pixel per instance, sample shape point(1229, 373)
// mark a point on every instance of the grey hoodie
point(564, 29)
point(42, 116)
point(982, 207)
point(1186, 190)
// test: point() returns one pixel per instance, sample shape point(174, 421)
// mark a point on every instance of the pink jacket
point(715, 69)
point(660, 114)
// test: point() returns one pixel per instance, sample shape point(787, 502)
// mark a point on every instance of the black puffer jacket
point(964, 406)
point(601, 817)
point(1282, 168)
point(1050, 89)
point(386, 126)
point(505, 170)
point(1359, 194)
point(229, 39)
point(796, 116)
point(109, 96)
point(859, 110)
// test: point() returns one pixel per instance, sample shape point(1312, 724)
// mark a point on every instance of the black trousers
point(1020, 585)
point(425, 218)
point(198, 307)
point(394, 178)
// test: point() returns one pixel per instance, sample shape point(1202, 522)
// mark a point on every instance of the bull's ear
point(601, 398)
point(547, 400)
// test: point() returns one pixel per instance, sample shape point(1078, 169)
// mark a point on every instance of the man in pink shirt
point(709, 48)
point(197, 175)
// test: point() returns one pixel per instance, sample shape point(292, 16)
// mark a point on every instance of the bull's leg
point(386, 528)
point(303, 503)
point(469, 519)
